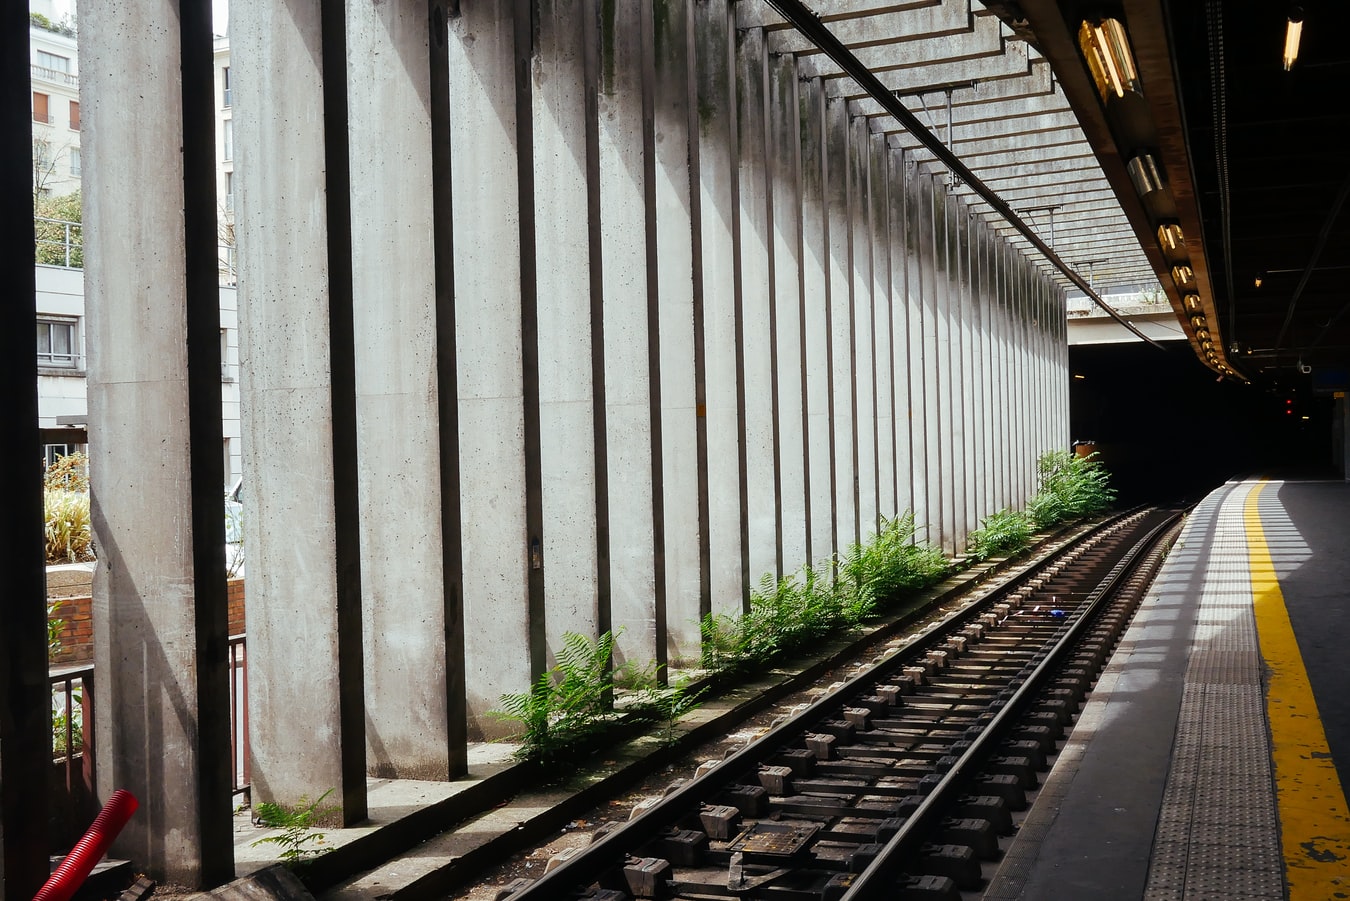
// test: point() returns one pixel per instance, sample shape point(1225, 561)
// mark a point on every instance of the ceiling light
point(1183, 275)
point(1292, 33)
point(1170, 237)
point(1207, 346)
point(1198, 321)
point(1191, 301)
point(1202, 334)
point(1107, 50)
point(1260, 277)
point(1145, 174)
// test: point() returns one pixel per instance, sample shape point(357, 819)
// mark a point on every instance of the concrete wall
point(708, 325)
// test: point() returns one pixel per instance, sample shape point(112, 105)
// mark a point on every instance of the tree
point(59, 242)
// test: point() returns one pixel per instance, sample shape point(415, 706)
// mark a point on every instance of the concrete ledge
point(454, 839)
point(273, 883)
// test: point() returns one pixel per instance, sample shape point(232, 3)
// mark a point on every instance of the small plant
point(297, 837)
point(74, 719)
point(663, 705)
point(54, 628)
point(892, 563)
point(1071, 487)
point(67, 527)
point(569, 703)
point(1002, 534)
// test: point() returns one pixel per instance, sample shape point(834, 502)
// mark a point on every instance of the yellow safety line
point(1314, 818)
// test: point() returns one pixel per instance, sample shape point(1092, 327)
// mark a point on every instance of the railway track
point(900, 783)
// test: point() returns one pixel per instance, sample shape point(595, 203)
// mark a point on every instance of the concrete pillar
point(1022, 368)
point(1012, 455)
point(958, 296)
point(683, 483)
point(758, 346)
point(785, 150)
point(404, 603)
point(986, 361)
point(948, 363)
point(976, 400)
point(816, 324)
point(625, 142)
point(297, 377)
point(160, 636)
point(841, 304)
point(568, 388)
point(503, 615)
point(864, 335)
point(992, 372)
point(883, 325)
point(717, 295)
point(900, 312)
point(933, 527)
point(25, 715)
point(917, 276)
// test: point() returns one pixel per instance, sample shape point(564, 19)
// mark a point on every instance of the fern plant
point(1001, 534)
point(569, 703)
point(1070, 487)
point(297, 838)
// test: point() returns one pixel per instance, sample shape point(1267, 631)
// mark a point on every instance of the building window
point(41, 110)
point(74, 115)
point(52, 61)
point(56, 344)
point(227, 143)
point(74, 161)
point(225, 87)
point(229, 192)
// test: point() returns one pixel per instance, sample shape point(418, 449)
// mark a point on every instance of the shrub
point(67, 528)
point(1071, 487)
point(1002, 534)
point(570, 703)
point(790, 613)
point(892, 562)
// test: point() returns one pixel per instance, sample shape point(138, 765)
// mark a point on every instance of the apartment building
point(61, 341)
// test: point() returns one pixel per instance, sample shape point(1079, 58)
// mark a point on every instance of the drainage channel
point(900, 782)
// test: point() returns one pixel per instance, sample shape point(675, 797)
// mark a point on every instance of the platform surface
point(1208, 763)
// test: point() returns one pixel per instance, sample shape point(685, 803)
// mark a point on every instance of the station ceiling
point(1244, 161)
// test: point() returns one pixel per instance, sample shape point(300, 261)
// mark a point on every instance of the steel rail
point(613, 848)
point(879, 879)
point(815, 30)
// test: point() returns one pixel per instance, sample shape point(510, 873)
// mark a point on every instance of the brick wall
point(77, 633)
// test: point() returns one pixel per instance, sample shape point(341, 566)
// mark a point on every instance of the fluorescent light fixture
point(1106, 48)
point(1293, 32)
point(1170, 237)
point(1145, 174)
point(1183, 275)
point(1191, 301)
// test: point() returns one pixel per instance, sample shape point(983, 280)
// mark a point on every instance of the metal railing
point(60, 242)
point(73, 723)
point(240, 775)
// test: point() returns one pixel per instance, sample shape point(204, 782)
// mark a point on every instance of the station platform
point(1209, 761)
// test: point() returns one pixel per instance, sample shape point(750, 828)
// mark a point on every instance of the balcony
point(53, 76)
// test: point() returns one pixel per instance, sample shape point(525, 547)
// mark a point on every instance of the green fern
point(297, 836)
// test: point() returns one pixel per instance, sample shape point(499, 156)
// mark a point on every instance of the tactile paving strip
point(1218, 836)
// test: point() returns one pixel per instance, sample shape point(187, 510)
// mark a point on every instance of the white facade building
point(61, 348)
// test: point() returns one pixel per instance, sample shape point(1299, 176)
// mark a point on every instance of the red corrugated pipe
point(88, 851)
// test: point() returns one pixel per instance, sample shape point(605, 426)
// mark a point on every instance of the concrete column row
point(564, 317)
